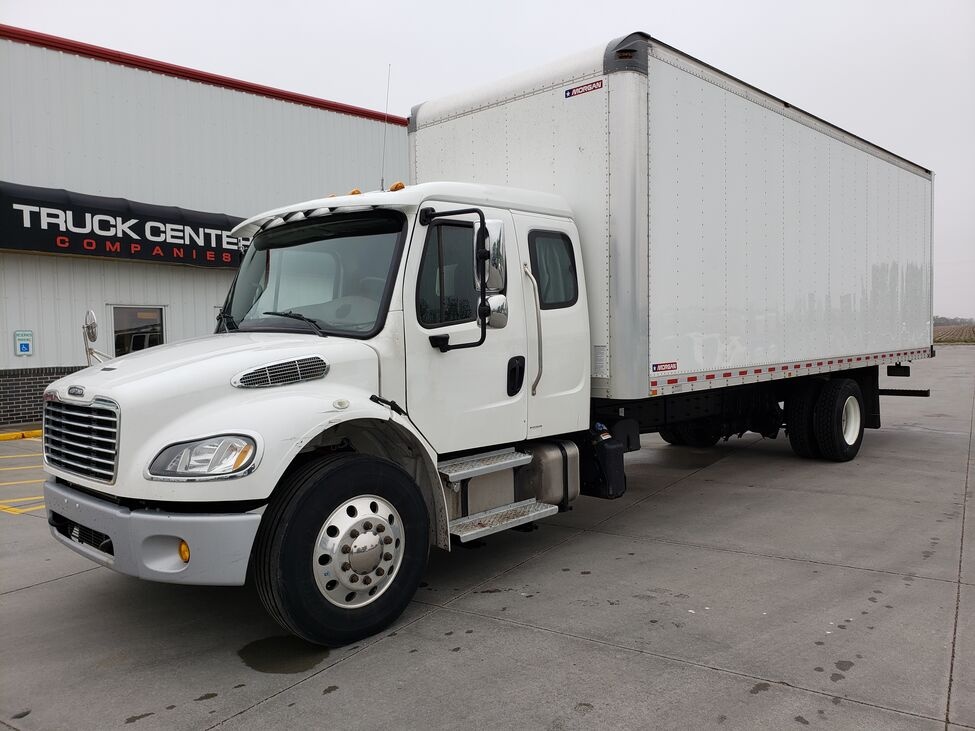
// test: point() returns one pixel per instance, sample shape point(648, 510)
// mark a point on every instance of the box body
point(727, 236)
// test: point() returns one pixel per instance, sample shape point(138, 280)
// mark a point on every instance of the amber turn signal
point(184, 551)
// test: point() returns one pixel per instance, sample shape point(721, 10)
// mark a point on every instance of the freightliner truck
point(631, 242)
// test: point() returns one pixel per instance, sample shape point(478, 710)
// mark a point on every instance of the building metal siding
point(100, 128)
point(50, 294)
point(153, 135)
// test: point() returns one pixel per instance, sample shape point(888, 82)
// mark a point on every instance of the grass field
point(954, 334)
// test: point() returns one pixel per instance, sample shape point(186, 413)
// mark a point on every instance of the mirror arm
point(442, 342)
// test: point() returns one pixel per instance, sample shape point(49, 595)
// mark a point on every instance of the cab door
point(557, 325)
point(472, 397)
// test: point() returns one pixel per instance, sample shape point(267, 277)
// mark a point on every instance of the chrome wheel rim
point(850, 421)
point(358, 551)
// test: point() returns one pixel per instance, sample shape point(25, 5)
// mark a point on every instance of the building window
point(554, 268)
point(137, 328)
point(445, 292)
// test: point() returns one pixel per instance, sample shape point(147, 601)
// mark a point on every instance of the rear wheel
point(672, 436)
point(341, 549)
point(838, 419)
point(700, 434)
point(799, 409)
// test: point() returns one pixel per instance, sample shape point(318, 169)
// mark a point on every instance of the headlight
point(221, 455)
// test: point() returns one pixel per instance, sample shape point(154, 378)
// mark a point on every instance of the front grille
point(81, 534)
point(283, 373)
point(82, 438)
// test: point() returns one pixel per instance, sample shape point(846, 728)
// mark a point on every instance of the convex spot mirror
point(499, 311)
point(91, 326)
point(495, 269)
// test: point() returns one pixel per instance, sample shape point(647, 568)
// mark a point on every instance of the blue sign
point(23, 342)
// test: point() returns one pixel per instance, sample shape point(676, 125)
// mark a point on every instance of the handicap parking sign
point(23, 342)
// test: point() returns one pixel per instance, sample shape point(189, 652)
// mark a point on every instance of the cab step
point(499, 519)
point(464, 468)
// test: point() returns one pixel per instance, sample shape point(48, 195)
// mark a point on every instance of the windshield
point(336, 271)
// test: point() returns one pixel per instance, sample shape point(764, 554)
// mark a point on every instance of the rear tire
point(672, 436)
point(838, 419)
point(700, 434)
point(799, 408)
point(341, 548)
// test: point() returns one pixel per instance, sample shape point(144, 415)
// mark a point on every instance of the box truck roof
point(628, 53)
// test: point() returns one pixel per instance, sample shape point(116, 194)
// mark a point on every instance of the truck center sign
point(61, 222)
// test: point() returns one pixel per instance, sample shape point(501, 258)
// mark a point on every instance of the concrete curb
point(9, 436)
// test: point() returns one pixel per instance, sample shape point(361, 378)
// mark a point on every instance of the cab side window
point(554, 267)
point(445, 292)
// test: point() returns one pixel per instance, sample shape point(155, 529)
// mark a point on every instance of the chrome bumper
point(144, 543)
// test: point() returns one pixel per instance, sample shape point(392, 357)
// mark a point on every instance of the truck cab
point(391, 370)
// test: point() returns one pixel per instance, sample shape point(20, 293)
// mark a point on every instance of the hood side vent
point(282, 373)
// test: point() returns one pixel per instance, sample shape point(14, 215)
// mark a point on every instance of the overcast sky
point(901, 74)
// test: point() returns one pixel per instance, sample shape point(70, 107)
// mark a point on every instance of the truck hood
point(199, 370)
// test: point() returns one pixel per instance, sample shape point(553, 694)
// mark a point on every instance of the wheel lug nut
point(366, 580)
point(380, 528)
point(354, 578)
point(367, 526)
point(346, 566)
point(387, 556)
point(379, 571)
point(354, 533)
point(346, 549)
point(387, 540)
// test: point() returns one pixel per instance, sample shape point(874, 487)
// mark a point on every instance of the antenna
point(382, 171)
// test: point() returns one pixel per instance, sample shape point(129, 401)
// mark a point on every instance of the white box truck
point(630, 242)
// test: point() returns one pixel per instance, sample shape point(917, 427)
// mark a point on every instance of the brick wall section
point(22, 392)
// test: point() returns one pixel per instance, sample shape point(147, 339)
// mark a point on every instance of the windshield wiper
point(228, 320)
point(298, 316)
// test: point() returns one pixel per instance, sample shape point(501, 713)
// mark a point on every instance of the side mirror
point(495, 269)
point(499, 311)
point(91, 326)
point(89, 332)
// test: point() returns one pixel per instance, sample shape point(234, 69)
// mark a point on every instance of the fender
point(375, 429)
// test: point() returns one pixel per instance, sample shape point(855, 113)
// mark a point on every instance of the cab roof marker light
point(354, 191)
point(398, 185)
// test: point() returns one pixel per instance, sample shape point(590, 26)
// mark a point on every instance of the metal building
point(120, 177)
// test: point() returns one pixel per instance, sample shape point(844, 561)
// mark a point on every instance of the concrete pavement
point(734, 587)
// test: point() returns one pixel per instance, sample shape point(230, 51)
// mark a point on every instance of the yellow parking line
point(21, 499)
point(25, 467)
point(22, 482)
point(20, 456)
point(19, 511)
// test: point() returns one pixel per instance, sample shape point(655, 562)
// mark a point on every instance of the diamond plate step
point(464, 468)
point(498, 519)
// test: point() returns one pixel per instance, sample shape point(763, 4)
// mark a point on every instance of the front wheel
point(341, 549)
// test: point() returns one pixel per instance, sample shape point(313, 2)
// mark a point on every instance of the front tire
point(838, 420)
point(341, 548)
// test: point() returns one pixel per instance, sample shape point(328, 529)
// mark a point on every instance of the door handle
point(538, 324)
point(516, 374)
